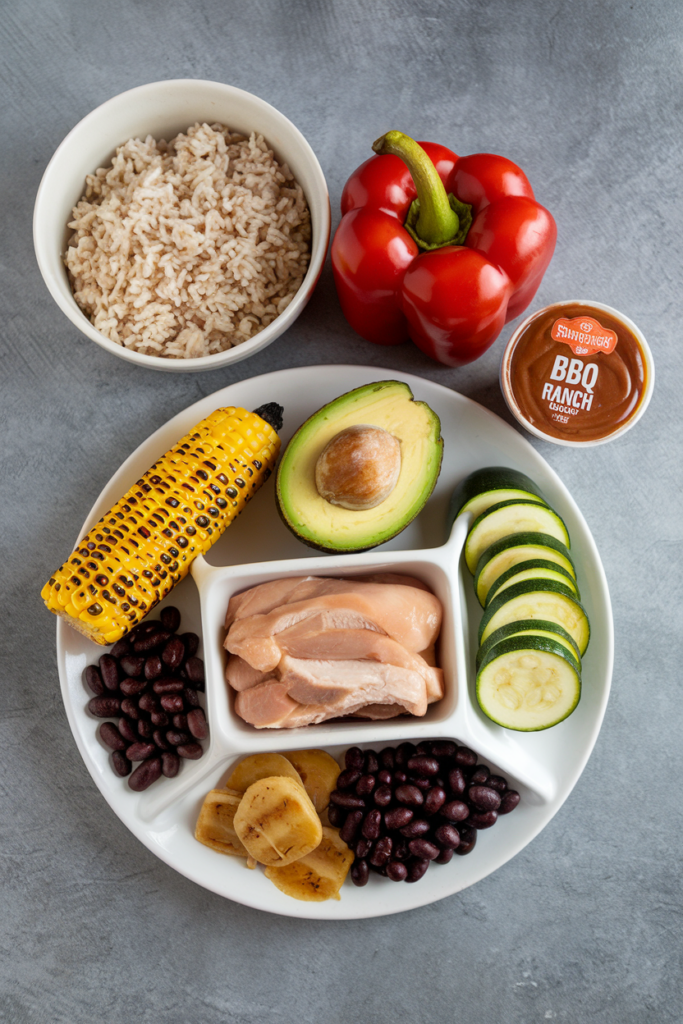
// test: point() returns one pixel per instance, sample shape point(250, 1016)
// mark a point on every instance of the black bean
point(416, 828)
point(456, 781)
point(172, 703)
point(190, 697)
point(168, 685)
point(483, 820)
point(400, 777)
point(421, 781)
point(371, 762)
point(145, 729)
point(423, 849)
point(132, 666)
point(363, 847)
point(160, 740)
point(192, 751)
point(386, 758)
point(348, 778)
point(121, 647)
point(424, 747)
point(104, 707)
point(170, 764)
point(177, 738)
point(153, 667)
point(468, 840)
point(121, 764)
point(382, 852)
point(479, 775)
point(159, 719)
point(127, 731)
point(170, 618)
point(180, 722)
point(93, 680)
point(397, 871)
point(109, 670)
point(365, 785)
point(360, 872)
point(111, 736)
point(465, 757)
point(349, 829)
point(382, 796)
point(196, 723)
point(498, 783)
point(148, 702)
point(347, 800)
point(448, 837)
point(409, 796)
point(190, 643)
point(151, 641)
point(444, 857)
point(131, 687)
point(397, 817)
point(434, 800)
point(509, 801)
point(145, 774)
point(372, 824)
point(130, 709)
point(404, 751)
point(443, 748)
point(173, 653)
point(416, 868)
point(336, 816)
point(455, 810)
point(195, 670)
point(384, 777)
point(423, 765)
point(483, 798)
point(401, 851)
point(139, 751)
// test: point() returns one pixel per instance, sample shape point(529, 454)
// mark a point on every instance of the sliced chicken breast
point(241, 676)
point(341, 685)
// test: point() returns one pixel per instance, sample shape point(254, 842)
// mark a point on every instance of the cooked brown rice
point(186, 248)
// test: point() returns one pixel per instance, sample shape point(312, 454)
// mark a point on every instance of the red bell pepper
point(438, 248)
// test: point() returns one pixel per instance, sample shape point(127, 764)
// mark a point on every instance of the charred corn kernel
point(146, 543)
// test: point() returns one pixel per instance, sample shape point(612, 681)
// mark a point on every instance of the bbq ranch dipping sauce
point(577, 373)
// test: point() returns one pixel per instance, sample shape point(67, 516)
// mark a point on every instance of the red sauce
point(576, 372)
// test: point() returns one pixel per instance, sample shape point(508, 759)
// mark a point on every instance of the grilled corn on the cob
point(147, 542)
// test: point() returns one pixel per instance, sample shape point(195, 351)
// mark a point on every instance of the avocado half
point(388, 404)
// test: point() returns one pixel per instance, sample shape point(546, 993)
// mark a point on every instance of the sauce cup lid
point(569, 339)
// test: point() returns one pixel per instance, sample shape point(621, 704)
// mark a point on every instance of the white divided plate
point(543, 766)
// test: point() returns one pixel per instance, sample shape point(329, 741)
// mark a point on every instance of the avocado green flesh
point(533, 569)
point(508, 517)
point(320, 524)
point(516, 548)
point(537, 599)
point(528, 683)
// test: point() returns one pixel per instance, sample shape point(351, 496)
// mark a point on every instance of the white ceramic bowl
point(162, 109)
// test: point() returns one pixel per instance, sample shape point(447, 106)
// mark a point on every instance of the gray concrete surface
point(585, 924)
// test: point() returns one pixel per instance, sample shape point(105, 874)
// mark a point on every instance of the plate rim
point(141, 830)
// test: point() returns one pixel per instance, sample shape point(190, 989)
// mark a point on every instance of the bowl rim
point(68, 304)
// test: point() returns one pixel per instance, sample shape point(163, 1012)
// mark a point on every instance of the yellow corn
point(147, 542)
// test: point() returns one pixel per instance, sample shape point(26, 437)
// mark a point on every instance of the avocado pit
point(359, 467)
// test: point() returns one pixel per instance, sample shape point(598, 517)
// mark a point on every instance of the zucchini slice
point(533, 569)
point(537, 599)
point(528, 683)
point(486, 487)
point(518, 547)
point(530, 627)
point(508, 517)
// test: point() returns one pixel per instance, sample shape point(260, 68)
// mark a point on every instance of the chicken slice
point(342, 685)
point(410, 616)
point(241, 676)
point(379, 712)
point(266, 597)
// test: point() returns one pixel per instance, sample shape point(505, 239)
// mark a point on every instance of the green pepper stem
point(437, 223)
